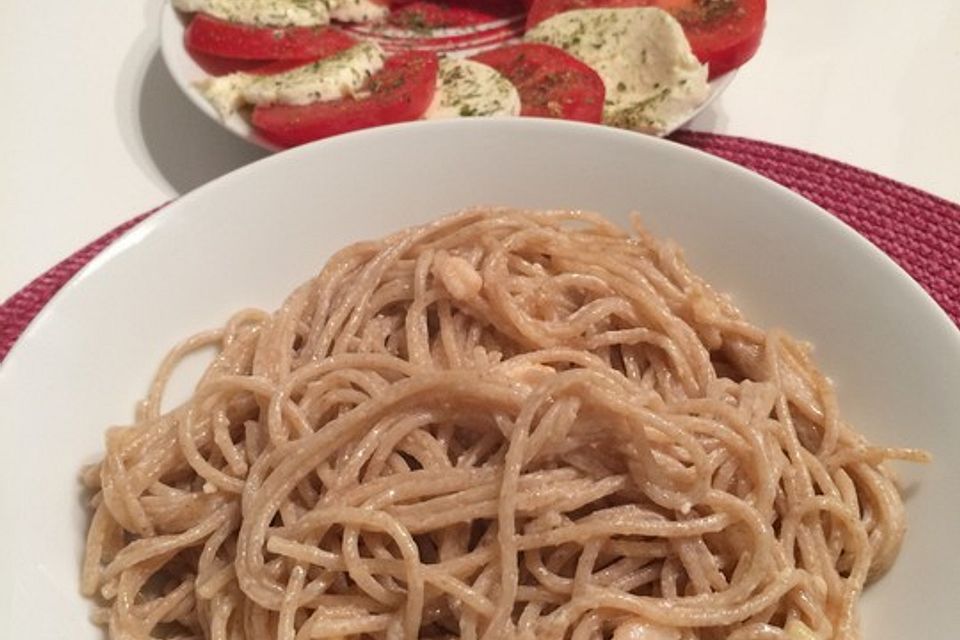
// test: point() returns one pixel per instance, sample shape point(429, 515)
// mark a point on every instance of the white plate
point(186, 73)
point(248, 238)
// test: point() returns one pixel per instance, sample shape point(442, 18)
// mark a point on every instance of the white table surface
point(93, 130)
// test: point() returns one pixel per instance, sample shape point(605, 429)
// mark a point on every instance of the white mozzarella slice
point(340, 75)
point(468, 88)
point(263, 13)
point(358, 11)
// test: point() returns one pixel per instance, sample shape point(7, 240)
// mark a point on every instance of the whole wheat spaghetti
point(504, 424)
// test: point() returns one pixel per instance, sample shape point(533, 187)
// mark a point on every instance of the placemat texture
point(918, 230)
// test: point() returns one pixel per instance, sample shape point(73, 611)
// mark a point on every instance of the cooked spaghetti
point(503, 424)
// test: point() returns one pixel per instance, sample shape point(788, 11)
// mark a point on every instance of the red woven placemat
point(918, 230)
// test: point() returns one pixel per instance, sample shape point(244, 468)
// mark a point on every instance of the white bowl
point(186, 72)
point(248, 238)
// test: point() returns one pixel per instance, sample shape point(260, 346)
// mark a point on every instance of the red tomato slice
point(722, 33)
point(212, 36)
point(551, 82)
point(221, 66)
point(401, 91)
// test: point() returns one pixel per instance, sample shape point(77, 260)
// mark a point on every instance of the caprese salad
point(302, 70)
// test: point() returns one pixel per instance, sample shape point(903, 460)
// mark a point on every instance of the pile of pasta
point(503, 424)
